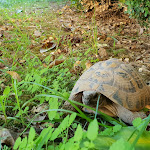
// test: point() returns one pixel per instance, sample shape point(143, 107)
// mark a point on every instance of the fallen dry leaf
point(102, 52)
point(66, 29)
point(38, 118)
point(22, 61)
point(126, 60)
point(51, 38)
point(14, 75)
point(88, 64)
point(109, 39)
point(76, 40)
point(44, 65)
point(39, 108)
point(53, 57)
point(59, 51)
point(77, 67)
point(77, 63)
point(49, 45)
point(37, 33)
point(101, 45)
point(56, 62)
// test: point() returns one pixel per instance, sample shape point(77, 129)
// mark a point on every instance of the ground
point(41, 36)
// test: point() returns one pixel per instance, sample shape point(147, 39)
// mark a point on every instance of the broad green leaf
point(53, 104)
point(84, 148)
point(66, 95)
point(17, 143)
point(70, 145)
point(74, 125)
point(71, 119)
point(55, 134)
point(1, 99)
point(121, 144)
point(107, 131)
point(6, 91)
point(78, 133)
point(61, 128)
point(116, 128)
point(92, 131)
point(31, 134)
point(23, 144)
point(136, 122)
point(44, 133)
point(103, 142)
point(64, 125)
point(86, 143)
point(44, 138)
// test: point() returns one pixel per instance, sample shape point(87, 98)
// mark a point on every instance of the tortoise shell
point(116, 80)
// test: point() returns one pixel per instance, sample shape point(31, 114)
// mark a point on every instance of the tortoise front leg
point(127, 115)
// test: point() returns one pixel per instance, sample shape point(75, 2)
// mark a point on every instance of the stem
point(18, 103)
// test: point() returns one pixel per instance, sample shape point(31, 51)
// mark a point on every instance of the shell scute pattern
point(117, 81)
point(118, 98)
point(132, 74)
point(129, 103)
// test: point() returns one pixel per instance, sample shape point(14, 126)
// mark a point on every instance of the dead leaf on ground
point(33, 42)
point(37, 33)
point(101, 45)
point(88, 64)
point(53, 57)
point(102, 36)
point(77, 63)
point(59, 51)
point(14, 75)
point(38, 118)
point(76, 40)
point(39, 108)
point(102, 53)
point(109, 40)
point(77, 67)
point(22, 61)
point(127, 60)
point(56, 62)
point(47, 46)
point(5, 28)
point(141, 30)
point(66, 29)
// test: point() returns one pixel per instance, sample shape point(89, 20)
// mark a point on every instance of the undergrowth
point(51, 86)
point(91, 139)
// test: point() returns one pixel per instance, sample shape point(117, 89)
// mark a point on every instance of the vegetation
point(140, 10)
point(34, 87)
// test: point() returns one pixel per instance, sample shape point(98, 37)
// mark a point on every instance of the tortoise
point(123, 91)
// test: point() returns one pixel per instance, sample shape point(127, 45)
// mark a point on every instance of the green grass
point(20, 5)
point(41, 85)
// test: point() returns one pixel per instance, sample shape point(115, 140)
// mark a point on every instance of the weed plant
point(51, 86)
